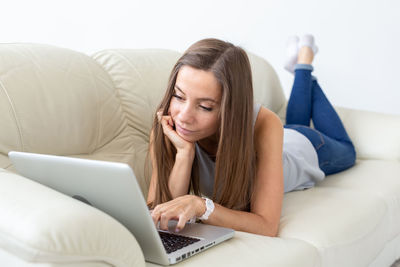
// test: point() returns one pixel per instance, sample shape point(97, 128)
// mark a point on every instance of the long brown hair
point(235, 158)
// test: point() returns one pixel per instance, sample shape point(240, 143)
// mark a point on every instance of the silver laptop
point(112, 188)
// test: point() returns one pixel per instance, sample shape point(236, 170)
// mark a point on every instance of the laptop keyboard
point(173, 242)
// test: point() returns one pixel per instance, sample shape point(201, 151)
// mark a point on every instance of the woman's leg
point(307, 101)
point(324, 116)
point(329, 138)
point(299, 108)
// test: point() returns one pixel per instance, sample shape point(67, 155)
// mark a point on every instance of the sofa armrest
point(39, 224)
point(374, 135)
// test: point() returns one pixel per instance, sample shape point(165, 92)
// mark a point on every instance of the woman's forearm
point(242, 221)
point(179, 178)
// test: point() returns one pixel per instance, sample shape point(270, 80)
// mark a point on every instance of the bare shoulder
point(268, 126)
point(267, 119)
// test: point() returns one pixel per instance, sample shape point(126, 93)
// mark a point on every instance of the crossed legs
point(307, 101)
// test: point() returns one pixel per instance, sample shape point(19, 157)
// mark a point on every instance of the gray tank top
point(300, 162)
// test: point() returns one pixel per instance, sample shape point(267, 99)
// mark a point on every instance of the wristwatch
point(209, 209)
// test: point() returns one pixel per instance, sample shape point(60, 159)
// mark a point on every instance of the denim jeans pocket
point(336, 156)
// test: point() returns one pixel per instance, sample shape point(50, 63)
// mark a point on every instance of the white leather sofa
point(58, 101)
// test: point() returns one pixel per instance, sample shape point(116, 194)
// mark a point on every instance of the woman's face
point(195, 104)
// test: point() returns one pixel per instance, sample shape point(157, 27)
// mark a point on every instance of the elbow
point(275, 233)
point(269, 228)
point(271, 232)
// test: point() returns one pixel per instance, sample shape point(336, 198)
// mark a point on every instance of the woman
point(210, 138)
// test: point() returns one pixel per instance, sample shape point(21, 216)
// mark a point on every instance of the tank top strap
point(256, 109)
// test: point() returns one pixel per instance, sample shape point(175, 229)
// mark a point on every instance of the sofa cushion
point(380, 178)
point(246, 249)
point(10, 260)
point(41, 225)
point(388, 255)
point(375, 135)
point(339, 222)
point(55, 101)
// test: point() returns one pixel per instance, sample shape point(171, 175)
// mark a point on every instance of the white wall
point(359, 41)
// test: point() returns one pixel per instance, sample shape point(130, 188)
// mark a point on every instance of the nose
point(186, 114)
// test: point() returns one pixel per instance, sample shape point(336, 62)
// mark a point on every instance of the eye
point(177, 96)
point(206, 108)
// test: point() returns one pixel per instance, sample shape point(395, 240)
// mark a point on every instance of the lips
point(183, 130)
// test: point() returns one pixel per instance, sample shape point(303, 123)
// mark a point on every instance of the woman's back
point(300, 162)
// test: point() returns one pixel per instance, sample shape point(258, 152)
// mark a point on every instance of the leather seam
point(98, 105)
point(18, 125)
point(115, 88)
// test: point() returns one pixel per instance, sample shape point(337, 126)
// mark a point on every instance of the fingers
point(167, 124)
point(163, 215)
point(166, 120)
point(165, 218)
point(181, 223)
point(155, 218)
point(159, 115)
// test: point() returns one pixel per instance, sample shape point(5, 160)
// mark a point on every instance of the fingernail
point(177, 230)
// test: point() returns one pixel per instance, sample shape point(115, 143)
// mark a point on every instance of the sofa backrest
point(58, 101)
point(141, 75)
point(55, 101)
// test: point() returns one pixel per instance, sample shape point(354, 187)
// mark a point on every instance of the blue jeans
point(307, 101)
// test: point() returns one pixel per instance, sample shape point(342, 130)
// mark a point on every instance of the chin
point(189, 138)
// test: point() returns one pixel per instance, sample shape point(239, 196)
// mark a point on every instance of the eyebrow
point(201, 99)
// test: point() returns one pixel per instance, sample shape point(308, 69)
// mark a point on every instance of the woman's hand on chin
point(180, 144)
point(180, 209)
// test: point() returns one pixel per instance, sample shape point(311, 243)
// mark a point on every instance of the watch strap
point(209, 209)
